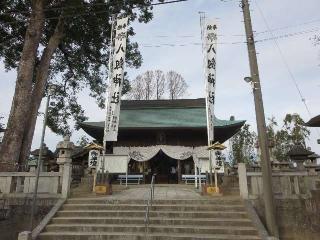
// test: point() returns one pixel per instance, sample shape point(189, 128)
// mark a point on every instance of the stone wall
point(15, 215)
point(297, 218)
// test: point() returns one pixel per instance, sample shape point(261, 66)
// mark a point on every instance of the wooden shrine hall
point(166, 137)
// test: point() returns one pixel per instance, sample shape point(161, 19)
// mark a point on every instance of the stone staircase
point(103, 218)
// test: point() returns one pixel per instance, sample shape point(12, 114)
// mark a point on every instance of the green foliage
point(81, 60)
point(1, 124)
point(83, 141)
point(293, 132)
point(242, 146)
point(297, 132)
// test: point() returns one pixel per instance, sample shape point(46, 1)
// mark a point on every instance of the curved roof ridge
point(163, 103)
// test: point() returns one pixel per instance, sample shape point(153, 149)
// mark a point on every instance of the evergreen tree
point(243, 146)
point(65, 42)
point(293, 132)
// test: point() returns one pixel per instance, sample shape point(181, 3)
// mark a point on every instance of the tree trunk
point(10, 149)
point(39, 89)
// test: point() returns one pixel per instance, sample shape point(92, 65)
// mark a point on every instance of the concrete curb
point(36, 231)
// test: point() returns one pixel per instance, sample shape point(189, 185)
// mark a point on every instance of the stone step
point(235, 192)
point(155, 207)
point(211, 201)
point(132, 213)
point(140, 228)
point(139, 236)
point(100, 218)
point(231, 190)
point(87, 180)
point(154, 220)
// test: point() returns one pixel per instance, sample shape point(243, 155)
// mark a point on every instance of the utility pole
point(39, 162)
point(261, 125)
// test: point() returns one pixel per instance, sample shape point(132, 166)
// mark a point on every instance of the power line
point(219, 43)
point(155, 4)
point(96, 12)
point(314, 29)
point(286, 63)
point(284, 59)
point(289, 35)
point(47, 9)
point(236, 42)
point(289, 26)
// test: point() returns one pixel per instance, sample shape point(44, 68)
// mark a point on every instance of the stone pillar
point(66, 179)
point(19, 187)
point(243, 184)
point(33, 169)
point(6, 183)
point(24, 236)
point(65, 164)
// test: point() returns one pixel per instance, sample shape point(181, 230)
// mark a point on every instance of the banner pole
point(107, 96)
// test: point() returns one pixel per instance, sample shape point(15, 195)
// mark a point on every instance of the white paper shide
point(116, 81)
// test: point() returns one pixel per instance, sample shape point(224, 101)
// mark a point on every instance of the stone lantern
point(299, 155)
point(64, 161)
point(32, 163)
point(311, 163)
point(65, 148)
point(47, 155)
point(313, 158)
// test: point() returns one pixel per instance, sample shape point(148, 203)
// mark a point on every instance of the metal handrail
point(148, 204)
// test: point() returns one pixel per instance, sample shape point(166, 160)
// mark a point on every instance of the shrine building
point(159, 135)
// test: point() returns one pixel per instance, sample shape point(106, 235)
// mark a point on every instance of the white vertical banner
point(210, 48)
point(116, 81)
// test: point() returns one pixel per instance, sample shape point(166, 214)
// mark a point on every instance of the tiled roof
point(184, 113)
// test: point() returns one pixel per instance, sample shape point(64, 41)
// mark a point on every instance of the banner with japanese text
point(210, 47)
point(116, 81)
point(93, 158)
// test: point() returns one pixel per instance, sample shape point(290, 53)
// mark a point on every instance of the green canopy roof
point(165, 118)
point(164, 114)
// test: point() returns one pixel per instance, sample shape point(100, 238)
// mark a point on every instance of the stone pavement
point(142, 192)
point(162, 192)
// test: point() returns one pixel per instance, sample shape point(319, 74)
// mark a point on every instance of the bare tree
point(149, 84)
point(137, 91)
point(160, 82)
point(156, 84)
point(143, 87)
point(176, 85)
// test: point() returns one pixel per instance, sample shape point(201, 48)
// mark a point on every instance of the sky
point(172, 41)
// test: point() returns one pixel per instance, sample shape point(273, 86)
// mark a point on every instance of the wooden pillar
point(195, 176)
point(179, 171)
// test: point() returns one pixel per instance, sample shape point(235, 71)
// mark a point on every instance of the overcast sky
point(178, 24)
